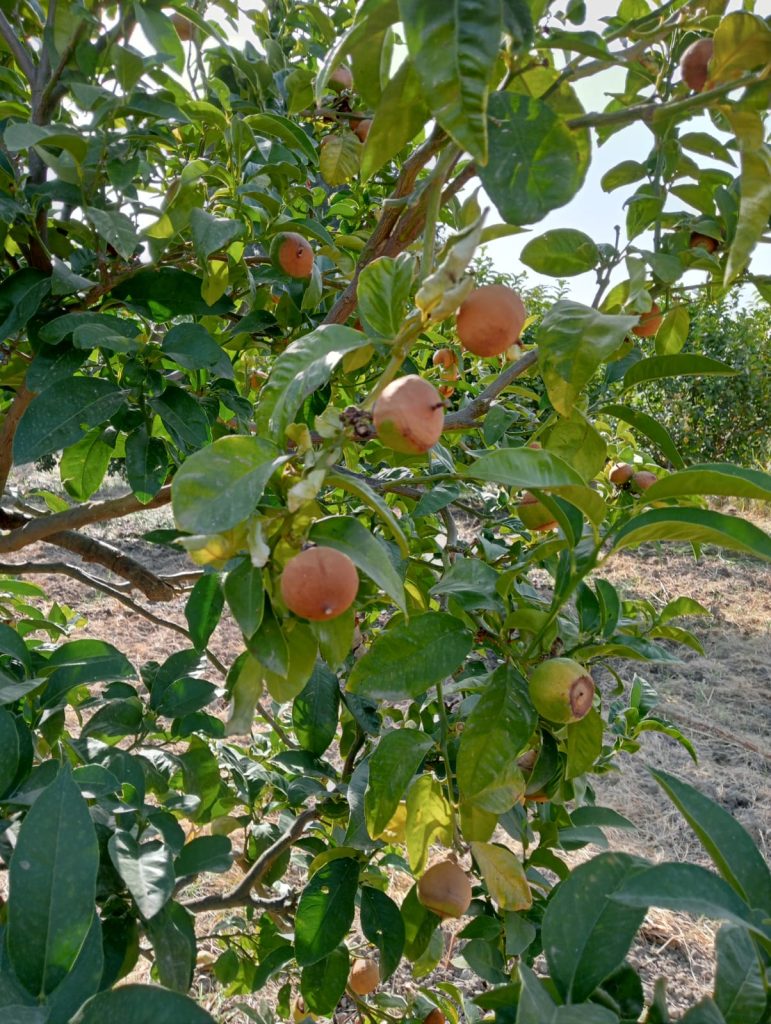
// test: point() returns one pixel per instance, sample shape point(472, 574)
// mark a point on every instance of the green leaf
point(537, 1007)
point(322, 984)
point(211, 234)
point(52, 880)
point(21, 294)
point(695, 525)
point(754, 184)
point(371, 498)
point(9, 750)
point(326, 909)
point(185, 696)
point(268, 644)
point(392, 766)
point(420, 923)
point(703, 1012)
point(536, 469)
point(584, 744)
point(160, 32)
point(183, 417)
point(12, 644)
point(245, 595)
point(55, 418)
point(578, 443)
point(237, 466)
point(657, 367)
point(409, 657)
point(383, 925)
point(572, 342)
point(562, 252)
point(673, 333)
point(400, 115)
point(713, 478)
point(366, 551)
point(315, 710)
point(302, 650)
point(454, 47)
point(147, 463)
point(83, 465)
point(429, 820)
point(340, 158)
point(162, 293)
point(687, 888)
point(625, 173)
point(302, 368)
point(142, 1004)
point(203, 609)
point(730, 847)
point(193, 347)
point(586, 935)
point(494, 735)
point(146, 868)
point(740, 992)
point(336, 637)
point(115, 228)
point(172, 935)
point(536, 164)
point(383, 291)
point(648, 427)
point(742, 41)
point(503, 875)
point(274, 126)
point(83, 980)
point(205, 853)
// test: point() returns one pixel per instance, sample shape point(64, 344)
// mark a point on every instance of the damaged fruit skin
point(445, 889)
point(364, 976)
point(409, 415)
point(319, 584)
point(561, 690)
point(490, 320)
point(292, 254)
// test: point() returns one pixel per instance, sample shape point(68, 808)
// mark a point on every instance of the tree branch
point(74, 518)
point(241, 895)
point(20, 402)
point(469, 414)
point(21, 54)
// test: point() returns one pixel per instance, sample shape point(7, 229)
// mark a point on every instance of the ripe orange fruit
point(341, 78)
point(409, 415)
point(361, 128)
point(534, 514)
point(319, 584)
point(490, 320)
point(364, 977)
point(445, 889)
point(694, 64)
point(621, 473)
point(292, 254)
point(649, 323)
point(444, 357)
point(699, 241)
point(642, 480)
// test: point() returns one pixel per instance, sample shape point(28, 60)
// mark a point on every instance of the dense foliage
point(240, 271)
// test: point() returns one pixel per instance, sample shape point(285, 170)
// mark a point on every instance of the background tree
point(232, 269)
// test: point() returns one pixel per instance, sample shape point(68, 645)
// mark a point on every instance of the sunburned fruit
point(642, 480)
point(445, 889)
point(491, 320)
point(649, 323)
point(621, 474)
point(361, 128)
point(694, 64)
point(699, 241)
point(561, 690)
point(319, 584)
point(364, 977)
point(534, 514)
point(409, 415)
point(341, 78)
point(292, 254)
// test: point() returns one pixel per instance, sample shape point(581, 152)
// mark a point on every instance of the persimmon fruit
point(534, 514)
point(561, 690)
point(292, 254)
point(319, 584)
point(694, 64)
point(642, 480)
point(649, 323)
point(364, 976)
point(621, 474)
point(445, 889)
point(409, 415)
point(340, 79)
point(490, 320)
point(361, 128)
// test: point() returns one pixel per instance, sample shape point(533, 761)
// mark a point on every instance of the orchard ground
point(721, 701)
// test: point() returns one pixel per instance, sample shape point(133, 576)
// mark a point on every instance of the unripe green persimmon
point(561, 690)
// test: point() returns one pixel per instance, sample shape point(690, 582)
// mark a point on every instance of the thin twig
point(469, 414)
point(20, 402)
point(21, 54)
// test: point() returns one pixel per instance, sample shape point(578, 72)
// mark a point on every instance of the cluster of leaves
point(145, 322)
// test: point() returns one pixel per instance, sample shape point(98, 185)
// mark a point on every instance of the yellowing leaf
point(396, 829)
point(429, 819)
point(504, 876)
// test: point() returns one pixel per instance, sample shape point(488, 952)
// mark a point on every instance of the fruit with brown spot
point(694, 64)
point(292, 254)
point(490, 320)
point(364, 977)
point(534, 514)
point(319, 584)
point(621, 474)
point(301, 1012)
point(409, 415)
point(445, 889)
point(699, 241)
point(561, 690)
point(361, 128)
point(642, 480)
point(340, 79)
point(649, 323)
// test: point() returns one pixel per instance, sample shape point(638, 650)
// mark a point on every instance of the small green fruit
point(561, 690)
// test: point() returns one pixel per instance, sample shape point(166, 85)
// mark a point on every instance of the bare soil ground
point(721, 700)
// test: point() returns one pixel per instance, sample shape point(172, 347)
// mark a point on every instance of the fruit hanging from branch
point(561, 690)
point(445, 889)
point(319, 584)
point(292, 254)
point(694, 64)
point(490, 320)
point(534, 514)
point(409, 415)
point(649, 323)
point(364, 976)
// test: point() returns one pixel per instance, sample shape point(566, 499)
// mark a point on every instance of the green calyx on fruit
point(534, 514)
point(694, 64)
point(621, 474)
point(490, 320)
point(291, 254)
point(319, 584)
point(364, 976)
point(649, 323)
point(642, 480)
point(445, 889)
point(561, 690)
point(409, 415)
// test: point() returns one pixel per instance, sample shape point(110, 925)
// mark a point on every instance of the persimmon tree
point(249, 275)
